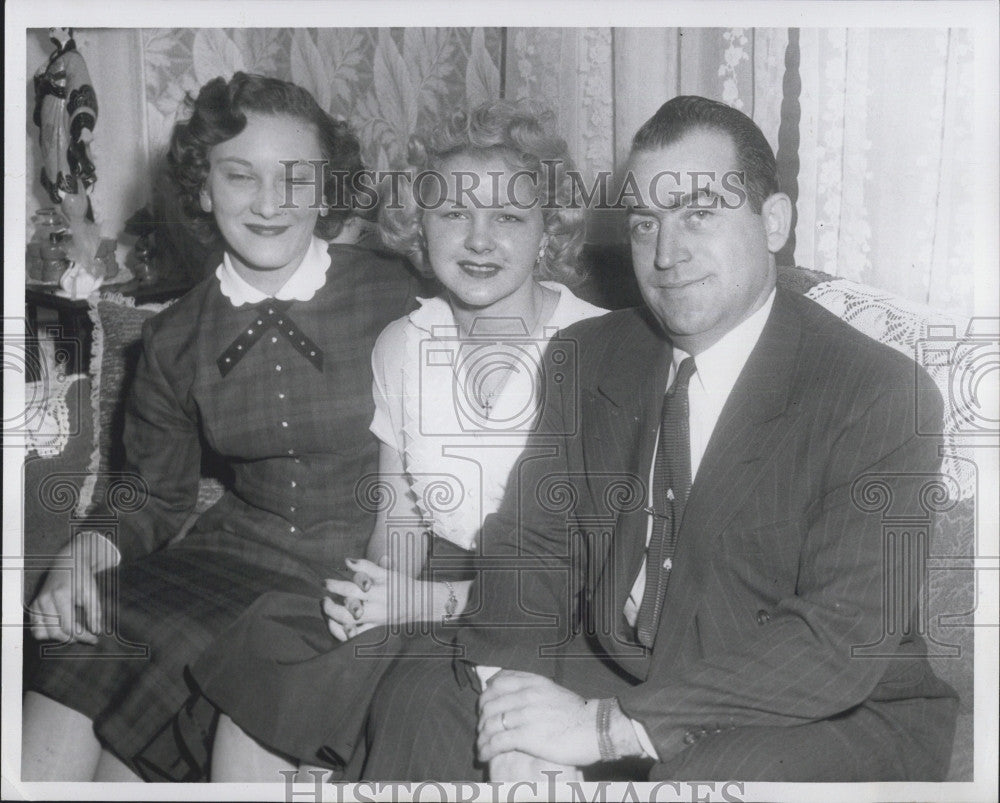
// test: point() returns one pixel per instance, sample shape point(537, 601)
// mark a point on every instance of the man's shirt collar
point(719, 366)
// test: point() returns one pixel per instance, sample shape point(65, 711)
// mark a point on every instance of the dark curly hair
point(219, 113)
point(522, 134)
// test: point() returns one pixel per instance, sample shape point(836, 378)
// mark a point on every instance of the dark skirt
point(280, 675)
point(171, 606)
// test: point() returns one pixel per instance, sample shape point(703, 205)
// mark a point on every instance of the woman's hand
point(375, 596)
point(68, 606)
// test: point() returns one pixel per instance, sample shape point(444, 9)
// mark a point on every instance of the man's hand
point(517, 766)
point(68, 607)
point(532, 714)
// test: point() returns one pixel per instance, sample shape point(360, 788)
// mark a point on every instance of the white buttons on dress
point(277, 368)
point(274, 339)
point(295, 484)
point(284, 424)
point(281, 395)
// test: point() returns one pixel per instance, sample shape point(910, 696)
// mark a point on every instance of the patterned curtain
point(387, 83)
point(877, 140)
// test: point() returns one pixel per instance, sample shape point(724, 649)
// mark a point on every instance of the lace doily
point(47, 414)
point(907, 326)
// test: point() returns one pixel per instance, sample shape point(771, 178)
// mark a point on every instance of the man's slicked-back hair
point(685, 113)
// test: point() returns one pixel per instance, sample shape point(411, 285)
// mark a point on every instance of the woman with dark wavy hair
point(266, 364)
point(486, 206)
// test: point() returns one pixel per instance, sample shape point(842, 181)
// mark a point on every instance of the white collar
point(719, 366)
point(302, 285)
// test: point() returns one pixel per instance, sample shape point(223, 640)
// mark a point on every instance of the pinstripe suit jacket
point(779, 571)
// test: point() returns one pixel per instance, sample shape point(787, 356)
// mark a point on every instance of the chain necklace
point(486, 398)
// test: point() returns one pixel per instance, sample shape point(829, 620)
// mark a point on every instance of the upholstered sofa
point(74, 450)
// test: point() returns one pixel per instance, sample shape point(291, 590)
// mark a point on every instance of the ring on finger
point(359, 609)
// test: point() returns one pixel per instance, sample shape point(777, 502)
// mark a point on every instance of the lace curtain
point(887, 172)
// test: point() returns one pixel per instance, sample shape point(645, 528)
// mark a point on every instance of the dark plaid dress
point(295, 440)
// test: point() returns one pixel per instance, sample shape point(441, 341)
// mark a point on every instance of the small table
point(73, 313)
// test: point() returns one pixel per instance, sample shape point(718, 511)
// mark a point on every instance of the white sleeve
point(387, 381)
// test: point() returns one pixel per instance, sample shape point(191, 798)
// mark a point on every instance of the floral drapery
point(386, 82)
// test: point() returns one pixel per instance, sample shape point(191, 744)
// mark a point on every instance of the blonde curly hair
point(520, 133)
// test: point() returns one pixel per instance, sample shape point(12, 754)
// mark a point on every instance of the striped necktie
point(671, 485)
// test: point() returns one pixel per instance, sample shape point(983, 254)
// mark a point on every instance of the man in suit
point(731, 575)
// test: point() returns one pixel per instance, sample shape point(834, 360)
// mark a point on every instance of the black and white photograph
point(501, 402)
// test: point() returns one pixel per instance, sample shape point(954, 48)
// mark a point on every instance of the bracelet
point(604, 741)
point(451, 604)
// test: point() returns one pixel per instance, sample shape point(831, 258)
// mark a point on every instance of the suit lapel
point(752, 424)
point(620, 423)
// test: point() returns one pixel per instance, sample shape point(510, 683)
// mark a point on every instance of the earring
point(206, 201)
point(541, 250)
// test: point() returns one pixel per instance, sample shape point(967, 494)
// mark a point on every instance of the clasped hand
point(532, 714)
point(375, 595)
